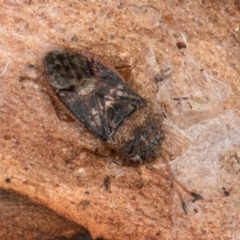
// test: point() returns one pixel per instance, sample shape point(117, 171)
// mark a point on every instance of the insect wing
point(95, 94)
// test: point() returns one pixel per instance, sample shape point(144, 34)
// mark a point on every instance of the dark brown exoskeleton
point(95, 93)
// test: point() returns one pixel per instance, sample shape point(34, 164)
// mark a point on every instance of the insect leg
point(176, 182)
point(61, 111)
point(29, 79)
point(125, 71)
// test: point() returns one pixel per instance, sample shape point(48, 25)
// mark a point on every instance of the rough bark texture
point(61, 166)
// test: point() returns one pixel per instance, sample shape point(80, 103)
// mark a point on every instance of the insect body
point(96, 94)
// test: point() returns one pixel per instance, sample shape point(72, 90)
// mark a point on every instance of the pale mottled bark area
point(62, 166)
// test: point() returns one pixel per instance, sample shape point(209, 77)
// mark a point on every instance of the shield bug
point(94, 92)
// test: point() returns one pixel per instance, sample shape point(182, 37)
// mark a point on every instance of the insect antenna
point(175, 183)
